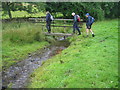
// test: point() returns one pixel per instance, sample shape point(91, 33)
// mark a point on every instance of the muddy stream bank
point(18, 75)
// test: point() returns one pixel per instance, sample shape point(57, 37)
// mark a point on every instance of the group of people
point(89, 23)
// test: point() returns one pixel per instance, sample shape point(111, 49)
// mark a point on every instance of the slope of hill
point(86, 63)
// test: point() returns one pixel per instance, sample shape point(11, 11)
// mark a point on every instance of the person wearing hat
point(48, 21)
point(75, 24)
point(89, 23)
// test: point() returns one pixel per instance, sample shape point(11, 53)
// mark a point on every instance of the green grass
point(17, 14)
point(88, 62)
point(19, 39)
point(12, 53)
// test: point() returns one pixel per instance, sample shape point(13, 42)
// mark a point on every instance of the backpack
point(51, 18)
point(78, 18)
point(93, 20)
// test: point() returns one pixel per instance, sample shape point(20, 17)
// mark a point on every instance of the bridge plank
point(58, 34)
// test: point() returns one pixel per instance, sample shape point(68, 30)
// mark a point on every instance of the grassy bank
point(19, 39)
point(86, 63)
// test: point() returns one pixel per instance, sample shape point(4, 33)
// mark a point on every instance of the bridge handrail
point(57, 19)
point(60, 26)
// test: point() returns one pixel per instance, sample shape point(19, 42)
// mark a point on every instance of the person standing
point(89, 23)
point(75, 24)
point(48, 21)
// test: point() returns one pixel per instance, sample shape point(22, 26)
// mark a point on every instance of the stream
point(18, 75)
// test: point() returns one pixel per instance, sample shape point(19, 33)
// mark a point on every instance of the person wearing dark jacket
point(75, 24)
point(48, 21)
point(89, 24)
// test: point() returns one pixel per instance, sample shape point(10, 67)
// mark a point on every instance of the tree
point(99, 10)
point(30, 7)
point(6, 8)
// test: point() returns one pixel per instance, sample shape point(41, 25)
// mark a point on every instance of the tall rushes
point(26, 33)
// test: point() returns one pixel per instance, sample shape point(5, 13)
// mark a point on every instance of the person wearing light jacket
point(75, 24)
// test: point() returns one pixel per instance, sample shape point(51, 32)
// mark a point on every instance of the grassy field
point(86, 63)
point(19, 39)
point(17, 14)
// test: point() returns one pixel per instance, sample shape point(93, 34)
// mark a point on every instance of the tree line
point(99, 10)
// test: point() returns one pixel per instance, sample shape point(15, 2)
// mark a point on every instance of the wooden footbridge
point(42, 20)
point(58, 34)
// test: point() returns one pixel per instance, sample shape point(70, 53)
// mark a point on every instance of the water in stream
point(18, 74)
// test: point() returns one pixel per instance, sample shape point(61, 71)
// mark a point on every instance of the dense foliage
point(99, 10)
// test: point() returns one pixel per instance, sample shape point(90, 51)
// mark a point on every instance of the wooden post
point(42, 27)
point(54, 37)
point(64, 37)
point(64, 25)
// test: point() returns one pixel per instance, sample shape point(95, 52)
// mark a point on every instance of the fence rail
point(61, 26)
point(43, 19)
